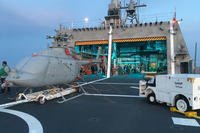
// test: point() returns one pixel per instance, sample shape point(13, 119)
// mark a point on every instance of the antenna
point(138, 11)
point(175, 13)
point(195, 58)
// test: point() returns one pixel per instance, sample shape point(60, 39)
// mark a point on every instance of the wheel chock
point(173, 109)
point(189, 114)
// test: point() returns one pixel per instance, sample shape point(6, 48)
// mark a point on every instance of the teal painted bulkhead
point(132, 57)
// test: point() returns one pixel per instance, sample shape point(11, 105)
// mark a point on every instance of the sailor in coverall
point(3, 74)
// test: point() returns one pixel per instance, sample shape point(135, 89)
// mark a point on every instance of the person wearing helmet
point(3, 74)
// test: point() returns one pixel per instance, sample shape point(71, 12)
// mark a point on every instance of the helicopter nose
point(22, 79)
point(13, 75)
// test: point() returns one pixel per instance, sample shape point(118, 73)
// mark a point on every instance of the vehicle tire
point(19, 97)
point(77, 87)
point(41, 100)
point(151, 98)
point(182, 104)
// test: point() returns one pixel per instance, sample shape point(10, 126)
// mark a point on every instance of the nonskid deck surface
point(112, 105)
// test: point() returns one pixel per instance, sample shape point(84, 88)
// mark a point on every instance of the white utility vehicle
point(180, 90)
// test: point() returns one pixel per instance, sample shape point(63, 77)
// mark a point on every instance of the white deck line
point(113, 95)
point(134, 87)
point(185, 122)
point(68, 99)
point(33, 124)
point(91, 82)
point(6, 105)
point(106, 83)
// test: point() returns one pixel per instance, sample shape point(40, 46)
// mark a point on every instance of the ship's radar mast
point(114, 17)
point(132, 12)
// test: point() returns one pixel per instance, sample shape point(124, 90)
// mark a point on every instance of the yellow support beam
point(124, 40)
point(189, 114)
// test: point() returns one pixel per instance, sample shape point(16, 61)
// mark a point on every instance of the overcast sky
point(24, 24)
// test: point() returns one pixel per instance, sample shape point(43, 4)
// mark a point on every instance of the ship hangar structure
point(107, 104)
point(143, 47)
point(154, 47)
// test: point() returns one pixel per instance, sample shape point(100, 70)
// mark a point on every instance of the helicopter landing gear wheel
point(41, 100)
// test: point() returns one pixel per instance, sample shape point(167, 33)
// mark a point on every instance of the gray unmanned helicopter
point(55, 66)
point(50, 67)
